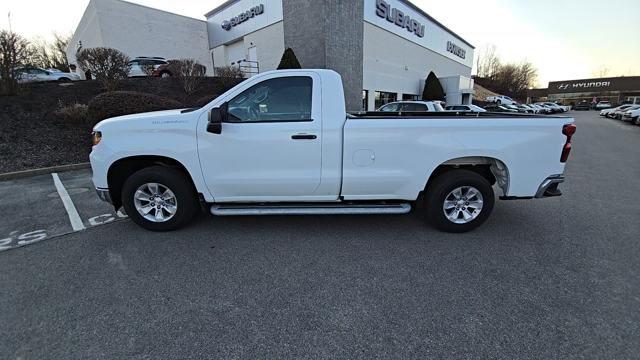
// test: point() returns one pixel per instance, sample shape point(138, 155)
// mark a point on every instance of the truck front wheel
point(159, 199)
point(459, 201)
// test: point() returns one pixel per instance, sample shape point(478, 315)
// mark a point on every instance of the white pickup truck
point(282, 143)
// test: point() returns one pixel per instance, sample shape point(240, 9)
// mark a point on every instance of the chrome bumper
point(549, 187)
point(104, 195)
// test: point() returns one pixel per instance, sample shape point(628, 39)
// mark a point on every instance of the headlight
point(96, 136)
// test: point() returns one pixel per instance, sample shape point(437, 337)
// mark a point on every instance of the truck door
point(269, 148)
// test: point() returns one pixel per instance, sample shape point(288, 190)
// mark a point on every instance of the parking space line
point(74, 217)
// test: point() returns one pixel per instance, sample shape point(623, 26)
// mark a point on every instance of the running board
point(309, 209)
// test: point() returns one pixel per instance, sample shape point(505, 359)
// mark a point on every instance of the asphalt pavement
point(542, 279)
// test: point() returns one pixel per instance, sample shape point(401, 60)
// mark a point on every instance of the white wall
point(393, 64)
point(142, 31)
point(219, 36)
point(88, 32)
point(435, 37)
point(269, 43)
point(455, 87)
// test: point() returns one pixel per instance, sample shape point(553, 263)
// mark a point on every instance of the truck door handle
point(304, 137)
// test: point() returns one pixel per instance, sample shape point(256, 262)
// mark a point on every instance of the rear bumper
point(549, 187)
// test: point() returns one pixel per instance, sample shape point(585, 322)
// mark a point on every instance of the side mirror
point(216, 118)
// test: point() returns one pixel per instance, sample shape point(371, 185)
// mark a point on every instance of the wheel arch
point(491, 168)
point(123, 168)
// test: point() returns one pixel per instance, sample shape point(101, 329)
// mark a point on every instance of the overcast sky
point(565, 39)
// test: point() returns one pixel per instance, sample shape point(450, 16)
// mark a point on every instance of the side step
point(308, 209)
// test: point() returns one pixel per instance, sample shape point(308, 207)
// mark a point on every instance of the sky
point(564, 39)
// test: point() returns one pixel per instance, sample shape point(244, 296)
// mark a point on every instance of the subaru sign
point(396, 16)
point(237, 20)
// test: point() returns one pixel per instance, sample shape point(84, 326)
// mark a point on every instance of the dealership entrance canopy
point(616, 90)
point(383, 49)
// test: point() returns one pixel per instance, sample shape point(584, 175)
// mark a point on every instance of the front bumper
point(549, 187)
point(104, 195)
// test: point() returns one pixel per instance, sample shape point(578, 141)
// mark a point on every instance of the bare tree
point(109, 66)
point(229, 76)
point(14, 52)
point(601, 72)
point(488, 62)
point(148, 68)
point(50, 54)
point(188, 73)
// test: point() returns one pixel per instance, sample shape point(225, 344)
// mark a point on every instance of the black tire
point(499, 102)
point(177, 182)
point(64, 80)
point(636, 120)
point(442, 186)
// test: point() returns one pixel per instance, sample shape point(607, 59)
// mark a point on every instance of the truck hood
point(149, 119)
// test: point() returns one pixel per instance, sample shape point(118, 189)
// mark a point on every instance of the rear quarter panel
point(393, 158)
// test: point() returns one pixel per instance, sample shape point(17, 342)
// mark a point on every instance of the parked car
point(501, 100)
point(582, 105)
point(162, 71)
point(619, 114)
point(603, 105)
point(634, 115)
point(627, 115)
point(500, 108)
point(35, 74)
point(465, 108)
point(411, 106)
point(282, 143)
point(525, 108)
point(541, 109)
point(609, 112)
point(564, 108)
point(516, 108)
point(141, 64)
point(555, 108)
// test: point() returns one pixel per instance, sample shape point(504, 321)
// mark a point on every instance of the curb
point(28, 173)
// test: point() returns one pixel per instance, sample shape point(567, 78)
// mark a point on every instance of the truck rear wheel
point(459, 201)
point(159, 199)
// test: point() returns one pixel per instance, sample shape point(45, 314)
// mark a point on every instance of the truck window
point(279, 99)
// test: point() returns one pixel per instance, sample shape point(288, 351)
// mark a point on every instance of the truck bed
point(391, 155)
point(443, 114)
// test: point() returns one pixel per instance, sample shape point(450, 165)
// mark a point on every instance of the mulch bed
point(32, 136)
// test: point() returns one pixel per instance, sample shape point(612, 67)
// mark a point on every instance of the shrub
point(229, 76)
point(14, 51)
point(204, 100)
point(289, 60)
point(73, 114)
point(109, 66)
point(188, 73)
point(118, 103)
point(432, 88)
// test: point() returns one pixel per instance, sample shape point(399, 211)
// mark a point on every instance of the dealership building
point(617, 90)
point(383, 49)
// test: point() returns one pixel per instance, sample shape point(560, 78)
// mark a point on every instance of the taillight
point(568, 130)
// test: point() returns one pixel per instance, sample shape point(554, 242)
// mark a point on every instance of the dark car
point(582, 105)
point(499, 108)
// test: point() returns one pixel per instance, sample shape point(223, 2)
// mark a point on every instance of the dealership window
point(409, 97)
point(385, 98)
point(365, 99)
point(279, 99)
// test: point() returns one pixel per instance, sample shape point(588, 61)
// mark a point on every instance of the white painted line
point(74, 217)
